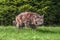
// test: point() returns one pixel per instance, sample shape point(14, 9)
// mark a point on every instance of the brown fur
point(28, 18)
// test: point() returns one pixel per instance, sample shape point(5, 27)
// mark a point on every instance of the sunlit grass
point(41, 33)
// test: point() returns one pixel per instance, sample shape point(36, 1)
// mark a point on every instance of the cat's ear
point(42, 16)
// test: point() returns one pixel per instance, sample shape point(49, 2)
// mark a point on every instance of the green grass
point(41, 33)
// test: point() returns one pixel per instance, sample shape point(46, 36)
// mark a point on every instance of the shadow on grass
point(46, 31)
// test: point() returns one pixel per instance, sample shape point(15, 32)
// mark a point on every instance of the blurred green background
point(10, 8)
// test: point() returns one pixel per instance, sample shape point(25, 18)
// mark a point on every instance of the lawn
point(40, 33)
